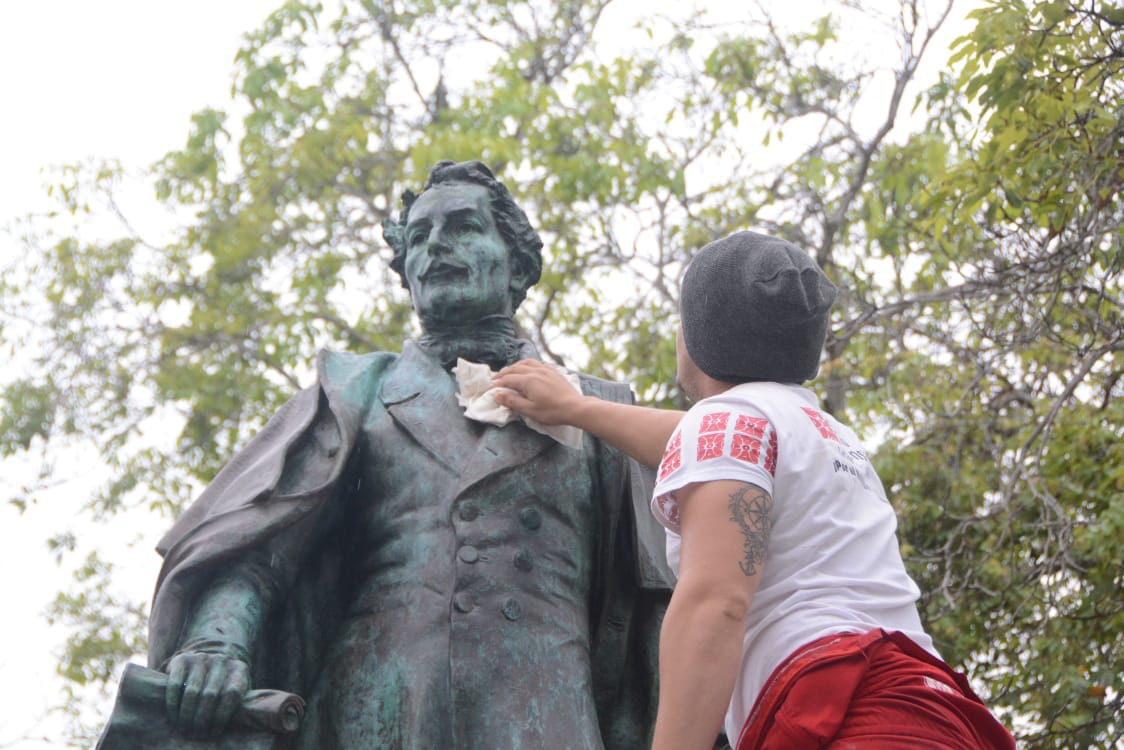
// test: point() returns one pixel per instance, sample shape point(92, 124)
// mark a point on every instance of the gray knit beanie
point(755, 307)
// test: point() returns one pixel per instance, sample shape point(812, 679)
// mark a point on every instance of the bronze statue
point(422, 580)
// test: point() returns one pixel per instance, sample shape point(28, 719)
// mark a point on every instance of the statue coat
point(432, 581)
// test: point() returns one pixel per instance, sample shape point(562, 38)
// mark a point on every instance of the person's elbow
point(722, 602)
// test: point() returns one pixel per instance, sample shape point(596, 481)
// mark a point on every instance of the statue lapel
point(420, 397)
point(502, 448)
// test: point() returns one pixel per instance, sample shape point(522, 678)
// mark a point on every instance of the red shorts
point(874, 691)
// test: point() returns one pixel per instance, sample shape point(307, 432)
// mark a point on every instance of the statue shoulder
point(339, 370)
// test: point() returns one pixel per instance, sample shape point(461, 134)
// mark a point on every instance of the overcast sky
point(83, 79)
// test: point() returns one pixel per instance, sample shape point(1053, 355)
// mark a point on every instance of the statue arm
point(210, 671)
point(232, 558)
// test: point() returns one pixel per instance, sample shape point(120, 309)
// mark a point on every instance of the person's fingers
point(512, 400)
point(527, 380)
point(177, 671)
point(510, 380)
point(230, 694)
point(203, 720)
point(523, 365)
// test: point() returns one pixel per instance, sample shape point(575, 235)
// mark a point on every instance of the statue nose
point(438, 243)
point(439, 249)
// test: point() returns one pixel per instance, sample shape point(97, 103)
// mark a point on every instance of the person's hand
point(539, 391)
point(204, 690)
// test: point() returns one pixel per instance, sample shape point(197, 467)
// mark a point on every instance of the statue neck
point(490, 340)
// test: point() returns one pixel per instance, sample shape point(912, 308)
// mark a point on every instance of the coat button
point(468, 554)
point(524, 560)
point(469, 512)
point(462, 602)
point(531, 518)
point(512, 609)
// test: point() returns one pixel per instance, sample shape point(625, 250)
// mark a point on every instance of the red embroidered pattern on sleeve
point(712, 436)
point(746, 445)
point(820, 421)
point(771, 453)
point(752, 440)
point(714, 422)
point(669, 509)
point(672, 456)
point(749, 441)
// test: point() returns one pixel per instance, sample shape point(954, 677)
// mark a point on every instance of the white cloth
point(833, 563)
point(477, 396)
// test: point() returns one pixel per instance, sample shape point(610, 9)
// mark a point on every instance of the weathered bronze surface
point(263, 720)
point(422, 580)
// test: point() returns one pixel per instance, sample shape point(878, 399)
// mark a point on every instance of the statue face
point(457, 264)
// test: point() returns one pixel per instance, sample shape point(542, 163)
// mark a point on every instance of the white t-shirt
point(833, 563)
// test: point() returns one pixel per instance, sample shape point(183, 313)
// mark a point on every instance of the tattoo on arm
point(751, 508)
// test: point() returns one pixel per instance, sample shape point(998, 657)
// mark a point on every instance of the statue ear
point(522, 276)
point(393, 234)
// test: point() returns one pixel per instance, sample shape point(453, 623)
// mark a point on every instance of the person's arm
point(725, 527)
point(542, 393)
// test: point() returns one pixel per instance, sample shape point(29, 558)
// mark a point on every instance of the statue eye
point(469, 227)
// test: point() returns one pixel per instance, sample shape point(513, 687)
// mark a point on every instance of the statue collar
point(490, 341)
point(417, 370)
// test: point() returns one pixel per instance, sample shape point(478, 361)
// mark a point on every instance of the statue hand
point(204, 690)
point(541, 392)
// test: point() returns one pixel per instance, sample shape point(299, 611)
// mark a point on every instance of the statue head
point(443, 244)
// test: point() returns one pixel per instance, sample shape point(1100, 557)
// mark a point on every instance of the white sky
point(82, 79)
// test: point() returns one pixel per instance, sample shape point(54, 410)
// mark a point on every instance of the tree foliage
point(978, 246)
